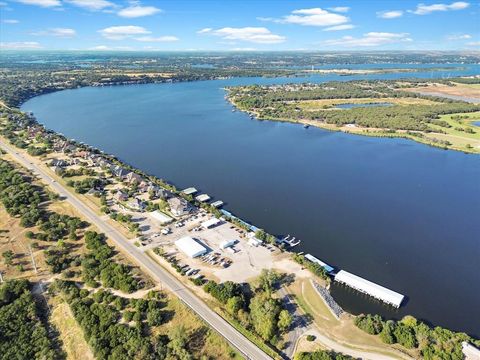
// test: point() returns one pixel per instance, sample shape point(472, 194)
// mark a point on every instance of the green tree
point(8, 257)
point(285, 320)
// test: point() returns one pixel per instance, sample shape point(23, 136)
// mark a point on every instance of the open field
point(321, 104)
point(471, 92)
point(71, 334)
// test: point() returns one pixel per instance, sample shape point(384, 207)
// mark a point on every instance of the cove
point(396, 212)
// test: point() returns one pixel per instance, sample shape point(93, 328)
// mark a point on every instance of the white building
point(190, 247)
point(210, 223)
point(161, 217)
point(470, 351)
point(227, 243)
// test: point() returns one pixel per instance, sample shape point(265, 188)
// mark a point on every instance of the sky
point(246, 25)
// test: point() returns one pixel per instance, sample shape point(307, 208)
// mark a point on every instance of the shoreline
point(375, 133)
point(166, 182)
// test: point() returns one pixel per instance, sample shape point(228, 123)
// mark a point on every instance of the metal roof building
point(161, 217)
point(190, 247)
point(367, 287)
point(210, 223)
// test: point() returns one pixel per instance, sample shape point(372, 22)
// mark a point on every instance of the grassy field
point(314, 105)
point(456, 136)
point(70, 333)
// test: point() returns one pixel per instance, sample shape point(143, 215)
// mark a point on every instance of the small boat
point(233, 110)
point(306, 126)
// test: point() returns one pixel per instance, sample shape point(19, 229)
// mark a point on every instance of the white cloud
point(391, 14)
point(42, 3)
point(243, 49)
point(100, 47)
point(166, 38)
point(20, 45)
point(423, 9)
point(204, 31)
point(259, 35)
point(122, 32)
point(92, 5)
point(314, 17)
point(58, 32)
point(371, 39)
point(108, 48)
point(459, 37)
point(138, 11)
point(342, 9)
point(473, 43)
point(10, 21)
point(339, 27)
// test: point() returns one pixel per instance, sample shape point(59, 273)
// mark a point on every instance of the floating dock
point(312, 258)
point(370, 288)
point(202, 198)
point(190, 191)
point(217, 204)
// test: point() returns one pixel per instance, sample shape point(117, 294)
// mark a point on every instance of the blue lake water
point(393, 211)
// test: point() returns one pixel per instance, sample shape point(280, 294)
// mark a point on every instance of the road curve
point(233, 336)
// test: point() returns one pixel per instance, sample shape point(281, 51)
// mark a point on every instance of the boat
point(306, 126)
point(233, 110)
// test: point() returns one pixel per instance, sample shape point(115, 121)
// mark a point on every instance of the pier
point(370, 288)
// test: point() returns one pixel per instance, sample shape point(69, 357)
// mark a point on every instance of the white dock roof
point(203, 197)
point(189, 191)
point(217, 203)
point(190, 247)
point(377, 291)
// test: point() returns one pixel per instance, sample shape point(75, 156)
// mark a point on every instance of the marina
point(370, 288)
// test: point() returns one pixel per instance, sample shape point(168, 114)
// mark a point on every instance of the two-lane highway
point(240, 342)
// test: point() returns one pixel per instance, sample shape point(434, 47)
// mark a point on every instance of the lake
point(396, 212)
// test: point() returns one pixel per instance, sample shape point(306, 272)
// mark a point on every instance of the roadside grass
point(203, 340)
point(71, 334)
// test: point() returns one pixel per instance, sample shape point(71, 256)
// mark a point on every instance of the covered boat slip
point(367, 287)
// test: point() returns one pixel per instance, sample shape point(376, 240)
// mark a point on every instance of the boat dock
point(370, 288)
point(190, 191)
point(217, 204)
point(312, 258)
point(344, 277)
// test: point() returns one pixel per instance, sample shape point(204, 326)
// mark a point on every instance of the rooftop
point(377, 291)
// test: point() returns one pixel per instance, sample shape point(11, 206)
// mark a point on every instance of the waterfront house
point(133, 178)
point(178, 206)
point(118, 171)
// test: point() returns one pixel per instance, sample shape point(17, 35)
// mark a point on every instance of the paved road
point(245, 346)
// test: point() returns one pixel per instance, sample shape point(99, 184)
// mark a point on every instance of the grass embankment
point(343, 331)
